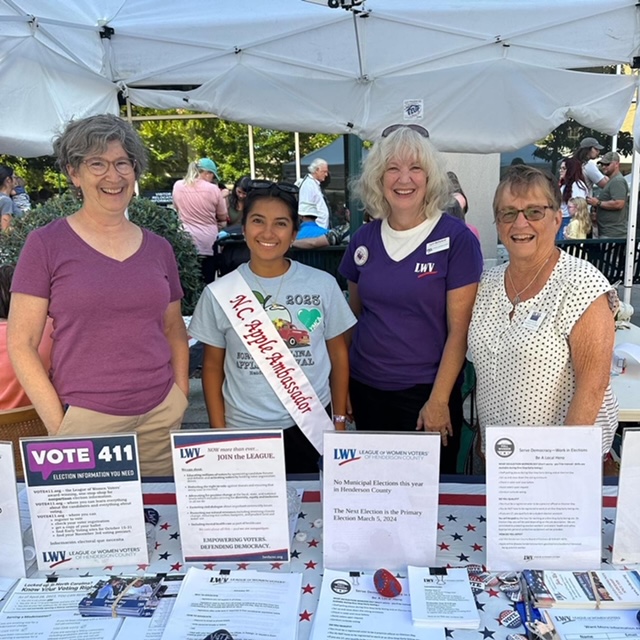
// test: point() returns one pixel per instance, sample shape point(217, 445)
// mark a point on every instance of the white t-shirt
point(311, 200)
point(592, 174)
point(308, 308)
point(523, 365)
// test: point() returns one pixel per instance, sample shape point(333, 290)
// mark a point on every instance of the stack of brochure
point(584, 589)
point(442, 598)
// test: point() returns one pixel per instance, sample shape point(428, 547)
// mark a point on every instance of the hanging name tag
point(438, 245)
point(535, 320)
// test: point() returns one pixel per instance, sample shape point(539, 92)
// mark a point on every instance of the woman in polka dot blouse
point(542, 330)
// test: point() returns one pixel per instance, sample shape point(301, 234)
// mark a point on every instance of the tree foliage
point(172, 144)
point(564, 140)
point(143, 212)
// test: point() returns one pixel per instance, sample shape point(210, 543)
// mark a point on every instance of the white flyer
point(544, 503)
point(442, 597)
point(350, 608)
point(251, 605)
point(578, 624)
point(380, 499)
point(231, 492)
point(12, 564)
point(43, 608)
point(626, 537)
point(85, 500)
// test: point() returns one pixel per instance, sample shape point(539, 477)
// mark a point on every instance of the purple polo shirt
point(402, 328)
point(109, 350)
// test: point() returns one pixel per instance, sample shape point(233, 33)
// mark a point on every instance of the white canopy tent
point(482, 75)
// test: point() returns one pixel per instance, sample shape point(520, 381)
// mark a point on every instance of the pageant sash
point(274, 359)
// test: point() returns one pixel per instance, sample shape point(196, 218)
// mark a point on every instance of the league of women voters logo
point(425, 269)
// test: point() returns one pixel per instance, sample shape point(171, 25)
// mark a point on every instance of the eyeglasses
point(533, 213)
point(604, 164)
point(98, 167)
point(414, 127)
point(284, 187)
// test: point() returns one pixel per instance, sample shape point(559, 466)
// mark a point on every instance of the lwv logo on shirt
point(425, 269)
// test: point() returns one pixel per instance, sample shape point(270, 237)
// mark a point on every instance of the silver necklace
point(517, 300)
point(265, 296)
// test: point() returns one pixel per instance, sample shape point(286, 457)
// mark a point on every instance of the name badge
point(534, 321)
point(437, 245)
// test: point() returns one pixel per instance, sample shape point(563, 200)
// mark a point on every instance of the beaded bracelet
point(337, 418)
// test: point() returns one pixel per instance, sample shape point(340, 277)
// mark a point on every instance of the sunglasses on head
point(414, 127)
point(284, 187)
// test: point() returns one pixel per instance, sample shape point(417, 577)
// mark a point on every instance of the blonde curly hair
point(402, 144)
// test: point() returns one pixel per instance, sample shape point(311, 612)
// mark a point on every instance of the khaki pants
point(152, 429)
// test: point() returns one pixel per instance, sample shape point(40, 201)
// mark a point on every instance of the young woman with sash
point(274, 334)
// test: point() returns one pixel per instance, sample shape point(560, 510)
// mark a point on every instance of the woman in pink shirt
point(202, 209)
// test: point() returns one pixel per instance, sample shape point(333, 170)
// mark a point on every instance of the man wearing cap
point(202, 209)
point(612, 207)
point(310, 199)
point(587, 153)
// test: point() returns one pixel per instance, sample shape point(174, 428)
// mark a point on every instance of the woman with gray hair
point(120, 353)
point(413, 274)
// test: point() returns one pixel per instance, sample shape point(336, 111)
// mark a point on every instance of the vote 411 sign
point(85, 500)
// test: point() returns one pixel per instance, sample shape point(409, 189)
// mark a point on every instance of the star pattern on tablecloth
point(308, 588)
point(476, 547)
point(456, 536)
point(165, 526)
point(440, 527)
point(242, 566)
point(142, 567)
point(487, 633)
point(448, 633)
point(313, 543)
point(164, 556)
point(607, 520)
point(444, 546)
point(452, 518)
point(481, 518)
point(209, 566)
point(295, 553)
point(305, 615)
point(174, 536)
point(302, 515)
point(276, 565)
point(310, 565)
point(493, 593)
point(463, 558)
point(176, 567)
point(471, 527)
point(480, 606)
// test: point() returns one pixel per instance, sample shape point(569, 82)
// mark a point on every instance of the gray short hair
point(408, 144)
point(80, 138)
point(316, 164)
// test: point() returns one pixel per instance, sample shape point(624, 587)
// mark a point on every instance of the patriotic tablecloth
point(461, 542)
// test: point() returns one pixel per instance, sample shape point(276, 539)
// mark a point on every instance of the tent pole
point(136, 186)
point(252, 158)
point(296, 139)
point(633, 216)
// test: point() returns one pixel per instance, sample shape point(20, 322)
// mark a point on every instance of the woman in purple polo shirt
point(413, 274)
point(119, 361)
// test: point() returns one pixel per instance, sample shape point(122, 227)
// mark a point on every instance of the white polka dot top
point(523, 365)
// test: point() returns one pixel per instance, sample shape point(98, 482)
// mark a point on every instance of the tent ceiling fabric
point(490, 75)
